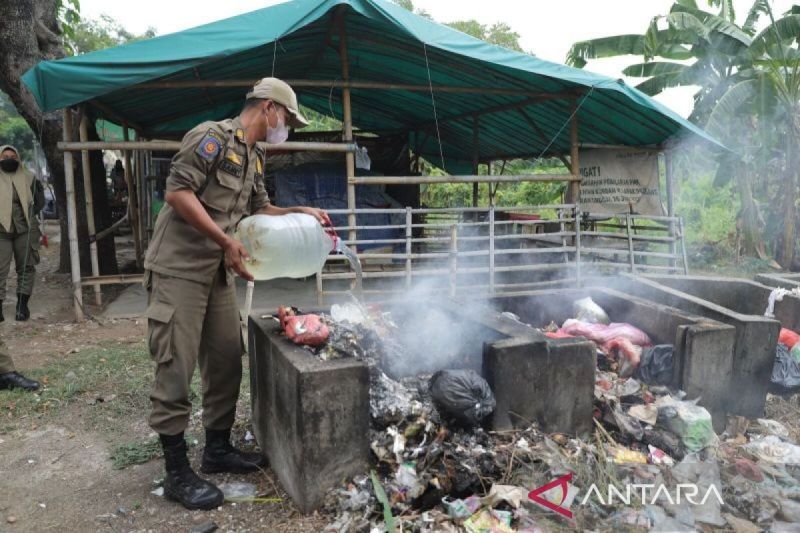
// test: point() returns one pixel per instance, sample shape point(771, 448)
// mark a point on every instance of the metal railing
point(497, 250)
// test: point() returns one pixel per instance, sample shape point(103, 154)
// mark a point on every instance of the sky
point(546, 28)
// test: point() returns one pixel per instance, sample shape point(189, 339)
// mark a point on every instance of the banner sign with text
point(620, 181)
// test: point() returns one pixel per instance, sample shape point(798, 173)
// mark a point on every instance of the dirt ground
point(61, 448)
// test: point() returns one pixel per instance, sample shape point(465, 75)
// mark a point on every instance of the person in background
point(21, 199)
point(9, 377)
point(118, 181)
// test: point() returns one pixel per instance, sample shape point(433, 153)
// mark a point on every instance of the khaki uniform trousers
point(189, 323)
point(6, 363)
point(18, 246)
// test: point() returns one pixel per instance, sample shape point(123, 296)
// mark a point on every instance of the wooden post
point(631, 258)
point(453, 259)
point(475, 158)
point(132, 201)
point(575, 186)
point(577, 226)
point(491, 248)
point(668, 174)
point(72, 221)
point(350, 160)
point(83, 131)
point(409, 233)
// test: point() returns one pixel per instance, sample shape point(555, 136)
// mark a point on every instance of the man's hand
point(320, 214)
point(235, 256)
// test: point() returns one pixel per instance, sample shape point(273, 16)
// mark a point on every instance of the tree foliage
point(748, 97)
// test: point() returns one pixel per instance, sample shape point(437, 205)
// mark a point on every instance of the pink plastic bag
point(625, 353)
point(602, 333)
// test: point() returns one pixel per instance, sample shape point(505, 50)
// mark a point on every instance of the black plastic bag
point(785, 372)
point(462, 395)
point(656, 365)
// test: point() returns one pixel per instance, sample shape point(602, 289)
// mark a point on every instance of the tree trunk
point(749, 226)
point(31, 34)
point(788, 198)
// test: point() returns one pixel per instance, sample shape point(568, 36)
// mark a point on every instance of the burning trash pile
point(654, 460)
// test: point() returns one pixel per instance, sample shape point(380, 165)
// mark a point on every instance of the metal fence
point(498, 250)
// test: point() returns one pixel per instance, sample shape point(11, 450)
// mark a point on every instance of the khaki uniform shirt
point(215, 163)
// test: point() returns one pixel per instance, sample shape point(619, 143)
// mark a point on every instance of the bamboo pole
point(418, 180)
point(409, 235)
point(174, 146)
point(350, 162)
point(453, 274)
point(72, 221)
point(475, 158)
point(669, 175)
point(351, 84)
point(631, 257)
point(83, 132)
point(575, 186)
point(491, 249)
point(133, 208)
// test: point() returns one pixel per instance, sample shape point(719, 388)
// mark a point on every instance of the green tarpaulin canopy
point(526, 112)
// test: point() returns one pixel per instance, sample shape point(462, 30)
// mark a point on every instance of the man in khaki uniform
point(215, 180)
point(21, 199)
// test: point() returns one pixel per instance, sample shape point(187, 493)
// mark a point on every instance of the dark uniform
point(21, 199)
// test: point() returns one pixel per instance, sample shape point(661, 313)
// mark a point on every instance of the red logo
point(562, 482)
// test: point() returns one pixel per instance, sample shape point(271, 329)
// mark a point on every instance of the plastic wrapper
point(626, 354)
point(788, 338)
point(587, 310)
point(774, 450)
point(657, 364)
point(462, 395)
point(308, 330)
point(602, 333)
point(689, 421)
point(785, 377)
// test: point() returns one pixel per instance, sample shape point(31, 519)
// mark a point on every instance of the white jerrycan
point(285, 246)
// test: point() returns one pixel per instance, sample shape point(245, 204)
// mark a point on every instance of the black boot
point(23, 313)
point(219, 455)
point(182, 484)
point(13, 380)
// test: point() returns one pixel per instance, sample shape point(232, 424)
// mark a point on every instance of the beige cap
point(280, 92)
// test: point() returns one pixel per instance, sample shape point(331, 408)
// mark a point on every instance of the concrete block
point(543, 381)
point(754, 348)
point(310, 417)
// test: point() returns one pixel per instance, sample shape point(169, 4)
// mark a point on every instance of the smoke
point(431, 335)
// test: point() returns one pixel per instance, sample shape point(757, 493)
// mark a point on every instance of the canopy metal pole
point(83, 131)
point(574, 186)
point(132, 200)
point(475, 158)
point(72, 221)
point(350, 160)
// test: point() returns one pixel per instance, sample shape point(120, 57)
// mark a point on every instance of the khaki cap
point(280, 92)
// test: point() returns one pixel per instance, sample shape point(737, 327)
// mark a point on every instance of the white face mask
point(278, 134)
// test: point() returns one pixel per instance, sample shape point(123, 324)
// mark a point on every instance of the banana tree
point(747, 96)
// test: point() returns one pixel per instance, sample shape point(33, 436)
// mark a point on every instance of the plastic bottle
point(286, 246)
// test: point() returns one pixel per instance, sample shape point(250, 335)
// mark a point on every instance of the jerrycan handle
point(337, 241)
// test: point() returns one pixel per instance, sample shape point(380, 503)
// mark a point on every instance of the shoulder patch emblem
point(209, 146)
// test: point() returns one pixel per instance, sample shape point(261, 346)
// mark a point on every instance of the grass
point(108, 388)
point(112, 379)
point(135, 453)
